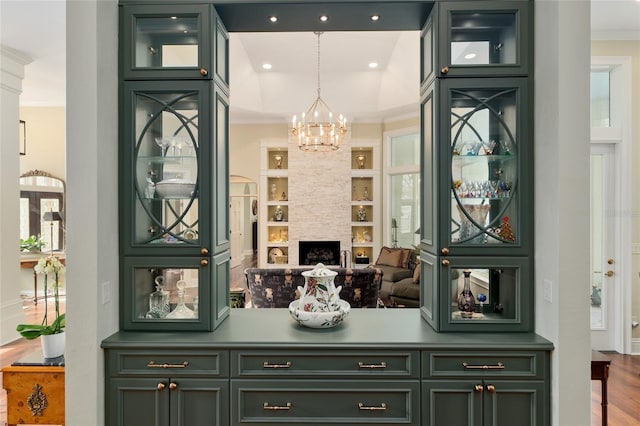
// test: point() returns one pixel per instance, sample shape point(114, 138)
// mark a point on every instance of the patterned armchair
point(277, 287)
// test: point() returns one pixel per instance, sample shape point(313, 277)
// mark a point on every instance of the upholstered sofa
point(277, 287)
point(406, 292)
point(396, 266)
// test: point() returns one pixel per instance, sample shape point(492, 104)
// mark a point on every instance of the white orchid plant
point(47, 266)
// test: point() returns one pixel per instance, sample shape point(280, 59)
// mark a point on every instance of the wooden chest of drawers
point(35, 394)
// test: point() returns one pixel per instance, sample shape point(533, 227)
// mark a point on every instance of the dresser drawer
point(384, 364)
point(345, 402)
point(169, 363)
point(530, 365)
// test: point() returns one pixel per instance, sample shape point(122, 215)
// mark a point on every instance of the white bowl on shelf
point(175, 188)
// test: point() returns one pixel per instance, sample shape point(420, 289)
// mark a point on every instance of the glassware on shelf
point(466, 301)
point(163, 143)
point(159, 300)
point(181, 310)
point(473, 218)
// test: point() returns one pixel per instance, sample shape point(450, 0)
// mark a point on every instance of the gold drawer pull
point(152, 364)
point(467, 366)
point(285, 365)
point(363, 365)
point(382, 407)
point(266, 406)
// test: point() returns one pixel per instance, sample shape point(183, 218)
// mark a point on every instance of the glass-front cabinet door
point(166, 293)
point(166, 145)
point(166, 41)
point(484, 139)
point(484, 39)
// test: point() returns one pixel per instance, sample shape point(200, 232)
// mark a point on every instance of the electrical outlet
point(548, 289)
point(106, 292)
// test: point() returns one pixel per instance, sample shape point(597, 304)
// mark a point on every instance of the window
point(600, 98)
point(402, 172)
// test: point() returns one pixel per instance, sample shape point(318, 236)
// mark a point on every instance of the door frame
point(618, 135)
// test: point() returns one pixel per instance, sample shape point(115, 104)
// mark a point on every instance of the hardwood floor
point(624, 392)
point(624, 379)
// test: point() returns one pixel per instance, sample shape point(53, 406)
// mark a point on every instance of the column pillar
point(12, 63)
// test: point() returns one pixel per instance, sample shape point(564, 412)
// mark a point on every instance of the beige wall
point(630, 48)
point(45, 140)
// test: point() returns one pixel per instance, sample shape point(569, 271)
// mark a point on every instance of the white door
point(605, 286)
point(236, 217)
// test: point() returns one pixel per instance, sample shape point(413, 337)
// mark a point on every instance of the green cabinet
point(167, 401)
point(185, 41)
point(485, 388)
point(483, 39)
point(477, 168)
point(174, 240)
point(483, 403)
point(380, 367)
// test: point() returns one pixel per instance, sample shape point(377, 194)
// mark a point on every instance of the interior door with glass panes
point(604, 286)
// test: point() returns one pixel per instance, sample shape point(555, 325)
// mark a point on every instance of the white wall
point(562, 60)
point(92, 203)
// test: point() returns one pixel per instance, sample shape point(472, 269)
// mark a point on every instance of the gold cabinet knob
point(491, 388)
point(161, 386)
point(445, 262)
point(479, 388)
point(445, 251)
point(173, 386)
point(204, 72)
point(609, 273)
point(610, 261)
point(204, 262)
point(204, 251)
point(444, 70)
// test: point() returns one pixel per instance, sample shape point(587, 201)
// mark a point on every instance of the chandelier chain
point(318, 33)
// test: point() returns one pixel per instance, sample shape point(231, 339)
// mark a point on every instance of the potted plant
point(34, 243)
point(52, 333)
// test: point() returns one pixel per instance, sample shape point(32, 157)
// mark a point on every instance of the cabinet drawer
point(484, 364)
point(386, 364)
point(325, 402)
point(169, 363)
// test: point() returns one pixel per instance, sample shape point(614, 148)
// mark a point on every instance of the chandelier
point(318, 128)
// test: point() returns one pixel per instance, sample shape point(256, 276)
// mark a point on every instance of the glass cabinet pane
point(166, 294)
point(484, 294)
point(166, 41)
point(166, 186)
point(483, 38)
point(484, 167)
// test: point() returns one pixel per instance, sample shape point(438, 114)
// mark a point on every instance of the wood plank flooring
point(624, 380)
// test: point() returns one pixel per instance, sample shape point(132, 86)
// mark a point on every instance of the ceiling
point(347, 84)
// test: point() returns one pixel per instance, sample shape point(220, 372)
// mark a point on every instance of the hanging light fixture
point(319, 129)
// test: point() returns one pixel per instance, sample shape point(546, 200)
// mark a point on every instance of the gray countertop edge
point(364, 328)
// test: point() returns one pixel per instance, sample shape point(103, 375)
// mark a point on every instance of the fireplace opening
point(313, 252)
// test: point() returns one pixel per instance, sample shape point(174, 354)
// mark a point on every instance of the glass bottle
point(466, 301)
point(181, 311)
point(159, 300)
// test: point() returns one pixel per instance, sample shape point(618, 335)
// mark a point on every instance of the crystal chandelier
point(318, 129)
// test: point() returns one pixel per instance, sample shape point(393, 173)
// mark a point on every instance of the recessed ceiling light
point(324, 18)
point(174, 17)
point(373, 65)
point(185, 31)
point(470, 56)
point(375, 17)
point(273, 18)
point(266, 66)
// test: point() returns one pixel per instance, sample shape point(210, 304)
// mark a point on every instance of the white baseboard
point(635, 346)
